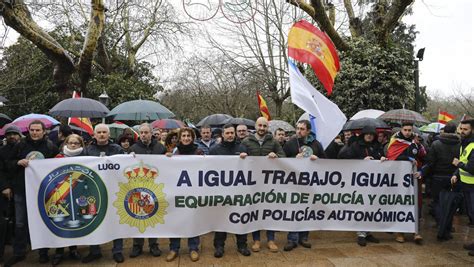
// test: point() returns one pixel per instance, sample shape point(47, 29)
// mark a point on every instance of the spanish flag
point(83, 123)
point(262, 106)
point(307, 44)
point(444, 117)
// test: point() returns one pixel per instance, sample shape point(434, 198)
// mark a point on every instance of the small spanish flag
point(444, 117)
point(307, 44)
point(262, 106)
point(84, 123)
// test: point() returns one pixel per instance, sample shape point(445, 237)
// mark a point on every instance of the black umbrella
point(214, 120)
point(239, 121)
point(3, 99)
point(140, 110)
point(360, 123)
point(4, 119)
point(79, 107)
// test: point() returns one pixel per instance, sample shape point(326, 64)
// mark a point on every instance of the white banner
point(90, 200)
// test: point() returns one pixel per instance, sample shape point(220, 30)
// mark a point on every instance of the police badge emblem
point(141, 202)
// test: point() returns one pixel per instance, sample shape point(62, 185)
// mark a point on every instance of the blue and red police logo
point(72, 201)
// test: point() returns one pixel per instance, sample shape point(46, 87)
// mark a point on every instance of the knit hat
point(13, 129)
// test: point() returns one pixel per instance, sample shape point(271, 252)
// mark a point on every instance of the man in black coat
point(101, 147)
point(34, 147)
point(303, 145)
point(146, 145)
point(229, 147)
point(13, 136)
point(366, 147)
point(438, 163)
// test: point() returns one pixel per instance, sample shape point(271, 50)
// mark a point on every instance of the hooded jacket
point(438, 161)
point(294, 145)
point(269, 144)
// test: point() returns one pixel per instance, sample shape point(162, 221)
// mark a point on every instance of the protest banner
point(91, 200)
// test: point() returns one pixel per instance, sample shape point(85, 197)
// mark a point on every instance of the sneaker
point(91, 257)
point(290, 246)
point(362, 241)
point(304, 243)
point(14, 260)
point(256, 246)
point(468, 246)
point(43, 258)
point(418, 239)
point(136, 251)
point(371, 238)
point(74, 255)
point(194, 255)
point(219, 252)
point(155, 250)
point(244, 251)
point(118, 257)
point(272, 246)
point(399, 237)
point(171, 255)
point(57, 259)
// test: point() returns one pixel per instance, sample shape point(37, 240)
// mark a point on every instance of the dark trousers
point(439, 184)
point(469, 202)
point(21, 226)
point(141, 241)
point(220, 237)
point(3, 224)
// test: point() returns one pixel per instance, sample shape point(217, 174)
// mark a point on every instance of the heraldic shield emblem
point(141, 202)
point(72, 201)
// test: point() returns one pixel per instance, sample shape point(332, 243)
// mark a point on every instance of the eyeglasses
point(241, 131)
point(263, 125)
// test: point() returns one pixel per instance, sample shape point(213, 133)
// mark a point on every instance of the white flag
point(329, 118)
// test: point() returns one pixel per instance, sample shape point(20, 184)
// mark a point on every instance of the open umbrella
point(3, 99)
point(215, 120)
point(273, 125)
point(140, 110)
point(367, 113)
point(433, 127)
point(360, 123)
point(116, 129)
point(239, 121)
point(168, 124)
point(35, 116)
point(79, 107)
point(24, 123)
point(4, 119)
point(403, 115)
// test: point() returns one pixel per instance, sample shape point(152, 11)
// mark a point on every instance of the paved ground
point(329, 249)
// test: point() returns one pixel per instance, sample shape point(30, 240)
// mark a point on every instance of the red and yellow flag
point(262, 106)
point(83, 123)
point(444, 117)
point(308, 44)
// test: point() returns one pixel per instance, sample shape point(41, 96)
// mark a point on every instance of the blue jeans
point(117, 247)
point(270, 235)
point(295, 237)
point(21, 226)
point(141, 241)
point(193, 244)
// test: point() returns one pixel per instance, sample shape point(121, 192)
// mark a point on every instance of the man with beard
point(35, 146)
point(229, 147)
point(149, 146)
point(280, 136)
point(366, 147)
point(465, 171)
point(206, 142)
point(303, 145)
point(405, 146)
point(242, 132)
point(262, 143)
point(13, 136)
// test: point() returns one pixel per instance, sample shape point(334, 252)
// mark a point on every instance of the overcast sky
point(446, 30)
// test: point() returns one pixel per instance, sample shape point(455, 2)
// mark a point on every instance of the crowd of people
point(442, 161)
